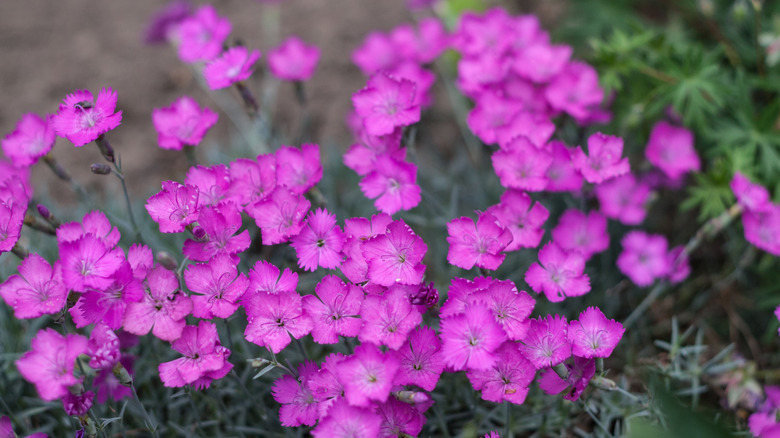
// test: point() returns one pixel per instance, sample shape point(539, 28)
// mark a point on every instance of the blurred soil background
point(48, 49)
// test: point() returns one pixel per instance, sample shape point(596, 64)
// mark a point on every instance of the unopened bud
point(166, 260)
point(46, 214)
point(198, 232)
point(100, 169)
point(411, 397)
point(124, 377)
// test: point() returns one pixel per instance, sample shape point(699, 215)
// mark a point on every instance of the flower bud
point(100, 169)
point(166, 260)
point(124, 377)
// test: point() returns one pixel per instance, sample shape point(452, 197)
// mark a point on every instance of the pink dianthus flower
point(299, 407)
point(37, 290)
point(396, 256)
point(603, 161)
point(393, 183)
point(293, 60)
point(644, 257)
point(559, 273)
point(508, 379)
point(586, 233)
point(671, 149)
point(477, 243)
point(388, 318)
point(202, 34)
point(221, 225)
point(546, 344)
point(421, 359)
point(469, 339)
point(386, 103)
point(202, 354)
point(593, 335)
point(347, 421)
point(235, 65)
point(174, 207)
point(81, 119)
point(319, 242)
point(335, 310)
point(280, 215)
point(32, 139)
point(368, 375)
point(162, 309)
point(218, 285)
point(49, 365)
point(521, 218)
point(182, 123)
point(272, 319)
point(624, 198)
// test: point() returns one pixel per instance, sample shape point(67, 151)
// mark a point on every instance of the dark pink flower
point(479, 243)
point(334, 311)
point(523, 220)
point(470, 339)
point(275, 318)
point(95, 223)
point(103, 347)
point(423, 80)
point(624, 198)
point(561, 175)
point(81, 119)
point(221, 223)
point(378, 52)
point(202, 34)
point(396, 256)
point(361, 156)
point(346, 421)
point(533, 125)
point(88, 263)
point(576, 91)
point(421, 360)
point(293, 60)
point(762, 227)
point(461, 294)
point(162, 309)
point(586, 233)
point(164, 24)
point(319, 242)
point(32, 139)
point(388, 318)
point(559, 274)
point(679, 263)
point(253, 180)
point(508, 379)
point(213, 184)
point(49, 365)
point(750, 195)
point(399, 419)
point(671, 149)
point(298, 169)
point(580, 374)
point(643, 258)
point(174, 207)
point(201, 355)
point(12, 213)
point(593, 335)
point(280, 215)
point(541, 61)
point(107, 384)
point(234, 65)
point(491, 111)
point(182, 123)
point(358, 230)
point(393, 184)
point(546, 344)
point(264, 278)
point(510, 307)
point(37, 290)
point(521, 165)
point(218, 287)
point(108, 304)
point(368, 375)
point(141, 260)
point(386, 103)
point(299, 407)
point(603, 161)
point(78, 404)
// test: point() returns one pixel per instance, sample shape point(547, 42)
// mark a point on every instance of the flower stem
point(150, 425)
point(118, 172)
point(63, 174)
point(20, 251)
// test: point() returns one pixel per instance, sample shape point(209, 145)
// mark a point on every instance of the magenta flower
point(264, 278)
point(603, 161)
point(7, 430)
point(218, 287)
point(141, 260)
point(49, 365)
point(78, 405)
point(103, 347)
point(593, 335)
point(108, 305)
point(358, 230)
point(293, 60)
point(461, 294)
point(378, 52)
point(624, 199)
point(541, 61)
point(182, 123)
point(37, 290)
point(335, 310)
point(319, 242)
point(644, 258)
point(253, 180)
point(165, 22)
point(421, 360)
point(388, 318)
point(679, 263)
point(399, 419)
point(393, 184)
point(532, 124)
point(346, 421)
point(368, 375)
point(510, 307)
point(561, 175)
point(546, 344)
point(361, 157)
point(586, 233)
point(198, 346)
point(386, 103)
point(491, 111)
point(470, 339)
point(423, 80)
point(580, 374)
point(274, 318)
point(95, 223)
point(221, 223)
point(107, 385)
point(396, 256)
point(299, 407)
point(202, 34)
point(174, 207)
point(576, 91)
point(89, 263)
point(162, 309)
point(559, 274)
point(81, 119)
point(32, 139)
point(508, 379)
point(762, 228)
point(213, 184)
point(12, 214)
point(280, 215)
point(298, 169)
point(671, 149)
point(235, 65)
point(751, 196)
point(477, 243)
point(521, 165)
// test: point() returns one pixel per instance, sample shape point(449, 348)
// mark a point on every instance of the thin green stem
point(63, 174)
point(118, 172)
point(150, 424)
